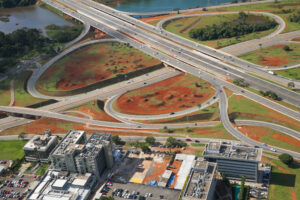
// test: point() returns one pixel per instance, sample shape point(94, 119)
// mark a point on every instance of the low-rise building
point(63, 186)
point(234, 160)
point(201, 182)
point(39, 147)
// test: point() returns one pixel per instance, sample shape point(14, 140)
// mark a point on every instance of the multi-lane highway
point(156, 39)
point(185, 55)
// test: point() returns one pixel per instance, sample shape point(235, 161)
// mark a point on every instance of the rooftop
point(40, 142)
point(60, 186)
point(68, 143)
point(199, 182)
point(232, 151)
point(185, 168)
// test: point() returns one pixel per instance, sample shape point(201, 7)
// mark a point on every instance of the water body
point(30, 17)
point(165, 5)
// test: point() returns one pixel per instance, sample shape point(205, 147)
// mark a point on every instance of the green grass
point(199, 153)
point(290, 73)
point(264, 56)
point(244, 108)
point(32, 164)
point(11, 149)
point(42, 169)
point(283, 182)
point(267, 136)
point(217, 131)
point(22, 97)
point(197, 145)
point(275, 8)
point(176, 26)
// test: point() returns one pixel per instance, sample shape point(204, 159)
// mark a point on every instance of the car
point(188, 139)
point(197, 141)
point(273, 149)
point(220, 90)
point(172, 113)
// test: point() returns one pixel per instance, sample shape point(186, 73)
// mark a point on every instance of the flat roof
point(232, 151)
point(199, 183)
point(30, 145)
point(60, 183)
point(185, 168)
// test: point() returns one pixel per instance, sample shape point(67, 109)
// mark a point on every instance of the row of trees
point(15, 3)
point(232, 29)
point(270, 94)
point(295, 17)
point(63, 34)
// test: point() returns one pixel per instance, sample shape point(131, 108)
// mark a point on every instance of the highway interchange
point(182, 54)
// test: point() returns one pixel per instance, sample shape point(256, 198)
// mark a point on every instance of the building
point(234, 160)
point(39, 147)
point(201, 183)
point(78, 155)
point(63, 186)
point(184, 170)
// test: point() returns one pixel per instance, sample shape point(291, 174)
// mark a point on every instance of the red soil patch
point(171, 95)
point(273, 61)
point(158, 172)
point(155, 18)
point(94, 63)
point(254, 132)
point(287, 139)
point(296, 39)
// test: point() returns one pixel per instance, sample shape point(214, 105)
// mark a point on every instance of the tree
point(225, 179)
point(22, 136)
point(286, 158)
point(241, 194)
point(117, 140)
point(287, 48)
point(145, 148)
point(291, 84)
point(172, 142)
point(150, 140)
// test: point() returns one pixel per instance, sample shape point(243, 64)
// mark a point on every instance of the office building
point(77, 154)
point(39, 147)
point(63, 186)
point(234, 160)
point(201, 182)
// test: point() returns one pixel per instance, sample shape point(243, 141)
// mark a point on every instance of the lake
point(30, 17)
point(165, 5)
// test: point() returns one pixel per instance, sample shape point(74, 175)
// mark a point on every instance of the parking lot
point(15, 187)
point(140, 191)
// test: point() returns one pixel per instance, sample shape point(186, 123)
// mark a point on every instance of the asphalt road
point(158, 40)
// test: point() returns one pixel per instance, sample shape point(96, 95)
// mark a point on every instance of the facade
point(201, 182)
point(63, 186)
point(78, 155)
point(234, 160)
point(39, 147)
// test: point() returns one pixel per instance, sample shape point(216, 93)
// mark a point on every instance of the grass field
point(290, 73)
point(184, 25)
point(271, 137)
point(11, 149)
point(285, 180)
point(92, 64)
point(238, 108)
point(275, 8)
point(42, 169)
point(22, 97)
point(217, 131)
point(177, 93)
point(274, 56)
point(210, 113)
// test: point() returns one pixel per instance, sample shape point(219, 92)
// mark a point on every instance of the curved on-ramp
point(38, 72)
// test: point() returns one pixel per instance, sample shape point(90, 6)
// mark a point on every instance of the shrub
point(286, 158)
